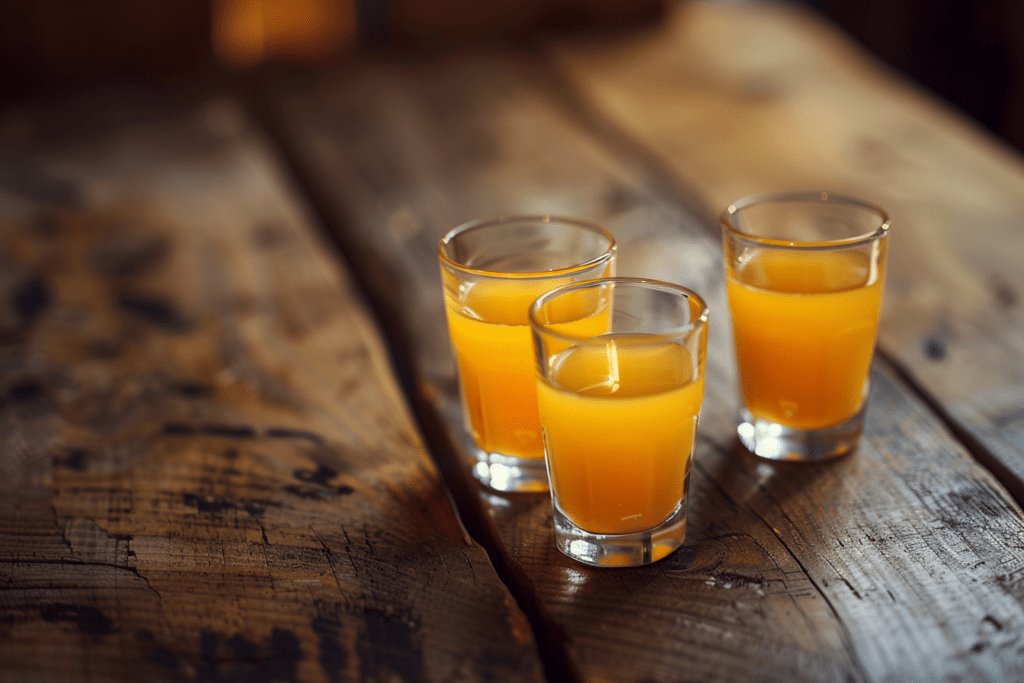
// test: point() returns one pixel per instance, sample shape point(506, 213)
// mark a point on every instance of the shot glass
point(492, 271)
point(620, 381)
point(805, 274)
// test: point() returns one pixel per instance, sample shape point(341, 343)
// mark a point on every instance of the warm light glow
point(247, 32)
point(238, 32)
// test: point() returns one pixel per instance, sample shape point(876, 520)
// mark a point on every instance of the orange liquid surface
point(620, 419)
point(805, 327)
point(494, 352)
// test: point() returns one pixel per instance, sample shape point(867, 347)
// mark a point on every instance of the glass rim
point(695, 323)
point(482, 223)
point(861, 239)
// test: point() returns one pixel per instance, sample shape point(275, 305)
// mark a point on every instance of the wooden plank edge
point(465, 495)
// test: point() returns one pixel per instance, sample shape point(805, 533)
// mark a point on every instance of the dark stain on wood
point(249, 661)
point(31, 298)
point(935, 349)
point(285, 654)
point(287, 433)
point(208, 504)
point(131, 258)
point(988, 627)
point(322, 475)
point(165, 659)
point(175, 428)
point(333, 657)
point(243, 431)
point(210, 669)
point(89, 619)
point(194, 390)
point(27, 391)
point(989, 623)
point(74, 460)
point(231, 431)
point(243, 649)
point(154, 311)
point(256, 508)
point(215, 505)
point(977, 499)
point(387, 650)
point(161, 656)
point(322, 494)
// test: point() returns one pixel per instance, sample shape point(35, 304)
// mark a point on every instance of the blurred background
point(969, 52)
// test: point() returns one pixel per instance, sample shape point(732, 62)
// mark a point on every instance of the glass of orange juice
point(492, 271)
point(805, 274)
point(620, 381)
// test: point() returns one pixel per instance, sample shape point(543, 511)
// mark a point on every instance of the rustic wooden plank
point(208, 471)
point(902, 562)
point(734, 99)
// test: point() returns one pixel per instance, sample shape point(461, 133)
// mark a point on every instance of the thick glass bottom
point(621, 550)
point(774, 441)
point(509, 474)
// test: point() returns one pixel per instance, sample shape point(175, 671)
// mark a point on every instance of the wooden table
point(229, 442)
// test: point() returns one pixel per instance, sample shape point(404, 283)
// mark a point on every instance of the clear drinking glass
point(805, 274)
point(620, 381)
point(492, 271)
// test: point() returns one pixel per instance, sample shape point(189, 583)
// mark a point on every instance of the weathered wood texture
point(734, 99)
point(902, 562)
point(208, 472)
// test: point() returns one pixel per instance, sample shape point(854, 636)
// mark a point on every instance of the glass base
point(774, 441)
point(509, 474)
point(621, 550)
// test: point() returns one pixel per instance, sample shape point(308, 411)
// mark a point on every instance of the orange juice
point(620, 418)
point(494, 352)
point(805, 325)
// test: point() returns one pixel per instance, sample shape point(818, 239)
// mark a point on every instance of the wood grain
point(902, 562)
point(208, 471)
point(736, 99)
